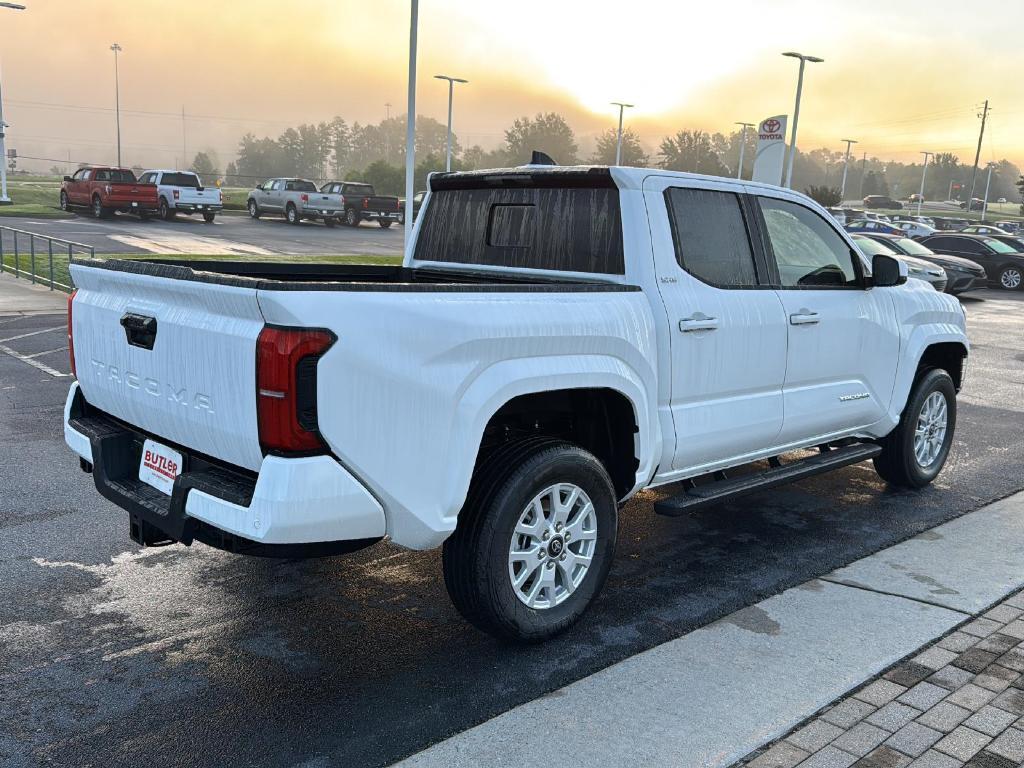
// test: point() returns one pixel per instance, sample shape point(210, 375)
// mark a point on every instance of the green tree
point(386, 179)
point(547, 132)
point(824, 195)
point(476, 157)
point(632, 153)
point(691, 151)
point(203, 165)
point(875, 184)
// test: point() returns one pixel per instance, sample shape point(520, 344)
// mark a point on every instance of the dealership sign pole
point(410, 125)
point(771, 150)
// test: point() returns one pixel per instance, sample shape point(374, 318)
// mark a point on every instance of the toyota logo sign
point(771, 125)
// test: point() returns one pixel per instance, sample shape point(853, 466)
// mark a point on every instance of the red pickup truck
point(105, 191)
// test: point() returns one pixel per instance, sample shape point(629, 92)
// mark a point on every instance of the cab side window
point(710, 236)
point(277, 185)
point(808, 251)
point(102, 176)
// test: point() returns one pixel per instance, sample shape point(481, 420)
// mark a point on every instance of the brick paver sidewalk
point(959, 702)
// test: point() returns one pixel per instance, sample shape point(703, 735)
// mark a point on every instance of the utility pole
point(618, 142)
point(977, 155)
point(743, 147)
point(410, 125)
point(184, 150)
point(988, 183)
point(863, 172)
point(387, 110)
point(924, 170)
point(846, 167)
point(117, 101)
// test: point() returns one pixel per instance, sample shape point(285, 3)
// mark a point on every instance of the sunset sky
point(899, 77)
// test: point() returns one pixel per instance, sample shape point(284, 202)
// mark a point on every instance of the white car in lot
point(183, 192)
point(556, 340)
point(916, 228)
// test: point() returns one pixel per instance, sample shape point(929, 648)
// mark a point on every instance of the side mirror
point(887, 271)
point(67, 178)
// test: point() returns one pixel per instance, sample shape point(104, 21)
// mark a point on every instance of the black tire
point(64, 204)
point(98, 211)
point(401, 218)
point(897, 463)
point(143, 215)
point(329, 222)
point(254, 209)
point(352, 217)
point(384, 223)
point(291, 214)
point(166, 212)
point(476, 556)
point(209, 217)
point(1011, 278)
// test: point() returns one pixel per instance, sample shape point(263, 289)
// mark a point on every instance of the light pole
point(117, 101)
point(924, 171)
point(451, 90)
point(796, 110)
point(410, 125)
point(618, 142)
point(743, 148)
point(988, 183)
point(846, 167)
point(4, 199)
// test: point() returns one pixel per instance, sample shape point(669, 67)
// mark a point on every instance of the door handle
point(698, 321)
point(804, 317)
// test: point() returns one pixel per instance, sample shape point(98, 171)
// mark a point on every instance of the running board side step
point(721, 490)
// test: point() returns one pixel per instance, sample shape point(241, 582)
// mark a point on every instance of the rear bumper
point(198, 207)
point(375, 215)
point(293, 507)
point(322, 213)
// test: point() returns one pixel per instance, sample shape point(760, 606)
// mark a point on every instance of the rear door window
point(710, 237)
point(570, 229)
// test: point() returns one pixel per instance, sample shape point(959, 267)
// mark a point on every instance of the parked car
point(983, 229)
point(870, 225)
point(295, 199)
point(930, 273)
point(363, 204)
point(948, 224)
point(961, 274)
point(1003, 263)
point(556, 340)
point(183, 192)
point(882, 201)
point(1013, 227)
point(1001, 200)
point(910, 217)
point(1014, 241)
point(877, 216)
point(105, 191)
point(977, 204)
point(916, 228)
point(852, 214)
point(916, 198)
point(417, 203)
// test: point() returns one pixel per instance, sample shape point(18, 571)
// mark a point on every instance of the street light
point(846, 167)
point(924, 170)
point(796, 110)
point(4, 199)
point(117, 101)
point(451, 89)
point(618, 142)
point(988, 183)
point(743, 148)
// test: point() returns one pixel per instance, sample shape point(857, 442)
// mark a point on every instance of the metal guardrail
point(18, 237)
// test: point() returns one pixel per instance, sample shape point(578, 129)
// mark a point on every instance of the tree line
point(375, 153)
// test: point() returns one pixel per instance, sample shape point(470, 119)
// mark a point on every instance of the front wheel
point(534, 541)
point(291, 213)
point(64, 205)
point(914, 453)
point(254, 209)
point(1011, 278)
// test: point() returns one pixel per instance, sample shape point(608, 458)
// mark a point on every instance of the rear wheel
point(166, 212)
point(534, 542)
point(352, 217)
point(254, 209)
point(914, 453)
point(291, 213)
point(1011, 278)
point(209, 216)
point(384, 223)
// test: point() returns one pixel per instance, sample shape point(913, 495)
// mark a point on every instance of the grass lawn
point(33, 198)
point(60, 261)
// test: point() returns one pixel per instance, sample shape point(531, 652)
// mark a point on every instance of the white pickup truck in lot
point(183, 192)
point(556, 340)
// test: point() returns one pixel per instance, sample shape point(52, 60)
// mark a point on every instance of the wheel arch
point(940, 345)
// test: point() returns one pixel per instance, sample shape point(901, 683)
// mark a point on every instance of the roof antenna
point(541, 158)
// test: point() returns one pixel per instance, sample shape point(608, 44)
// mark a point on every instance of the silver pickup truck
point(295, 199)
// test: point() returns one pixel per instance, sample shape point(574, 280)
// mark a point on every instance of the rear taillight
point(304, 198)
point(366, 202)
point(71, 334)
point(286, 362)
point(177, 194)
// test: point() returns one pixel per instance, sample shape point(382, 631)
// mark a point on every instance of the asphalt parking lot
point(178, 656)
point(231, 233)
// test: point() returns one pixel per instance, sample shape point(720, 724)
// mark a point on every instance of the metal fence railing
point(24, 253)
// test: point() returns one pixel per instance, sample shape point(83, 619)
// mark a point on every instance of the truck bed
point(347, 277)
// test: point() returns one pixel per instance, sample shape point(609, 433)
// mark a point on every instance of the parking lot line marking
point(47, 352)
point(34, 363)
point(33, 333)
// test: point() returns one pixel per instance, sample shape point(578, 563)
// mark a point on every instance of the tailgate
point(124, 192)
point(190, 196)
point(196, 385)
point(385, 204)
point(321, 201)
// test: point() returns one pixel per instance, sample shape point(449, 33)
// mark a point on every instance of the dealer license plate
point(159, 466)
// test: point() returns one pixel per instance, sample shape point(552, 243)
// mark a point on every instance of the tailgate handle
point(139, 329)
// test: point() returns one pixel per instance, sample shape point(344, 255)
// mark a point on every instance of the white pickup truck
point(183, 192)
point(556, 340)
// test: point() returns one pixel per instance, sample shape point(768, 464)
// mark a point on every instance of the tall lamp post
point(4, 199)
point(988, 183)
point(618, 141)
point(743, 148)
point(117, 101)
point(796, 110)
point(451, 89)
point(846, 167)
point(924, 171)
